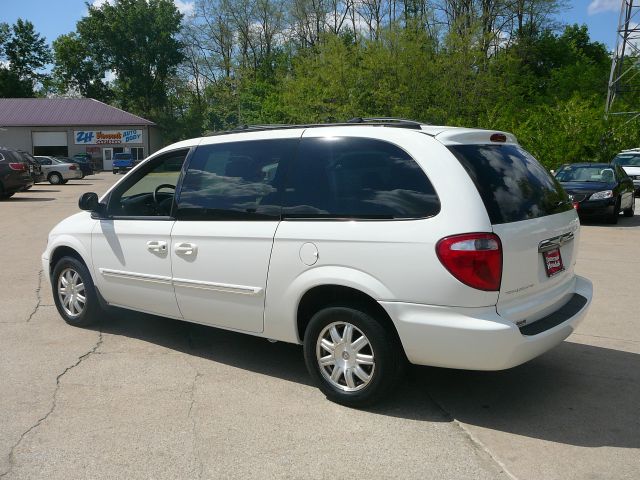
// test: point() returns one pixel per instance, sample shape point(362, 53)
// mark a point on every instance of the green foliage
point(76, 70)
point(24, 52)
point(137, 41)
point(495, 65)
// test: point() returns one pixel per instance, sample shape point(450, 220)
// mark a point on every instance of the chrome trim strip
point(181, 282)
point(217, 287)
point(555, 242)
point(143, 277)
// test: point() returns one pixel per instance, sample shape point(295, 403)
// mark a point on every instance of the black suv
point(14, 173)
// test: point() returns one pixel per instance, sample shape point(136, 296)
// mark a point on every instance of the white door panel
point(133, 266)
point(220, 271)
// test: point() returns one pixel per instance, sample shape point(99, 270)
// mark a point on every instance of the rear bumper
point(477, 338)
point(71, 174)
point(17, 182)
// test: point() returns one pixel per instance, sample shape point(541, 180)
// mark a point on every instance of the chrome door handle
point(185, 248)
point(156, 246)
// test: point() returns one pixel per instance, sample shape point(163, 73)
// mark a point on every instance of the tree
point(76, 72)
point(24, 53)
point(135, 39)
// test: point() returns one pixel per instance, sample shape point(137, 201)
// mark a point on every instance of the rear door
point(536, 223)
point(227, 216)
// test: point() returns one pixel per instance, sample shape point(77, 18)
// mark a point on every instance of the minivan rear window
point(511, 182)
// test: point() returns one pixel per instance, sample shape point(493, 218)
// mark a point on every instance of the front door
point(107, 158)
point(130, 248)
point(226, 219)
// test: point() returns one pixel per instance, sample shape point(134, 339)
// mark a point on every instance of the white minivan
point(371, 243)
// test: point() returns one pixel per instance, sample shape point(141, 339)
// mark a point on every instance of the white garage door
point(49, 139)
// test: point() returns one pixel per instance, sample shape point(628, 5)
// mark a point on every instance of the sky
point(55, 17)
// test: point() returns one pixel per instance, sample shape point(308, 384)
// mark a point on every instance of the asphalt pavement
point(145, 397)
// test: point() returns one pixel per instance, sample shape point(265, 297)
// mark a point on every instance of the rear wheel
point(55, 178)
point(4, 194)
point(115, 171)
point(74, 293)
point(630, 212)
point(352, 357)
point(612, 219)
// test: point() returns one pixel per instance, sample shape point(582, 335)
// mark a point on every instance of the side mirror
point(89, 202)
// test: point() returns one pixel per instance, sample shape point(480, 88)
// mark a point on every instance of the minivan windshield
point(627, 160)
point(512, 184)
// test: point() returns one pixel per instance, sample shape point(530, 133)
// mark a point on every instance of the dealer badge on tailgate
point(553, 262)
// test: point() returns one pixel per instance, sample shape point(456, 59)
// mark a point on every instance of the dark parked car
point(598, 190)
point(84, 165)
point(14, 173)
point(35, 169)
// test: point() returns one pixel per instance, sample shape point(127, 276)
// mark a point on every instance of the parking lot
point(146, 397)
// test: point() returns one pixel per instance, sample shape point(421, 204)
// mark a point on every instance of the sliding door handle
point(185, 248)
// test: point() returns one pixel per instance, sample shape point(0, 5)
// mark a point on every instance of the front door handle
point(185, 248)
point(157, 246)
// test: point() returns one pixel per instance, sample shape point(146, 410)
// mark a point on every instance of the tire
point(381, 347)
point(4, 195)
point(55, 178)
point(64, 182)
point(115, 171)
point(75, 313)
point(82, 176)
point(631, 211)
point(612, 219)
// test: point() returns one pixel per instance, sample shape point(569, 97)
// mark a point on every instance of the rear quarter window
point(512, 184)
point(357, 178)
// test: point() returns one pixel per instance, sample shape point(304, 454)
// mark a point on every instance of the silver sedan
point(57, 171)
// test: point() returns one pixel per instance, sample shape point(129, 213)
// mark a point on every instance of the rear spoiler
point(462, 136)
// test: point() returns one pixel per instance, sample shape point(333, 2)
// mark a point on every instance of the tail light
point(20, 167)
point(473, 258)
point(72, 167)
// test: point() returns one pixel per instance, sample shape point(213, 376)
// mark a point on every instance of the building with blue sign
point(70, 126)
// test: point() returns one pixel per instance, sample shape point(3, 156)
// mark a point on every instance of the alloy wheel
point(345, 356)
point(71, 292)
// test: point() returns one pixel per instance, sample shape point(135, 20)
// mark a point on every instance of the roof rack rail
point(385, 120)
point(381, 121)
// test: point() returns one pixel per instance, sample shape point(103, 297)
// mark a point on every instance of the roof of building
point(56, 112)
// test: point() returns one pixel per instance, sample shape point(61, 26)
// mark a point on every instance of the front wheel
point(353, 358)
point(612, 219)
point(74, 293)
point(630, 212)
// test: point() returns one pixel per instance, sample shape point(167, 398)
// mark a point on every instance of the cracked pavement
point(145, 397)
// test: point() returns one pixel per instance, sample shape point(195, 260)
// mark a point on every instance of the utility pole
point(624, 81)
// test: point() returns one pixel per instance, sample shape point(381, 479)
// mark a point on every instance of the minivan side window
point(149, 191)
point(235, 181)
point(357, 178)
